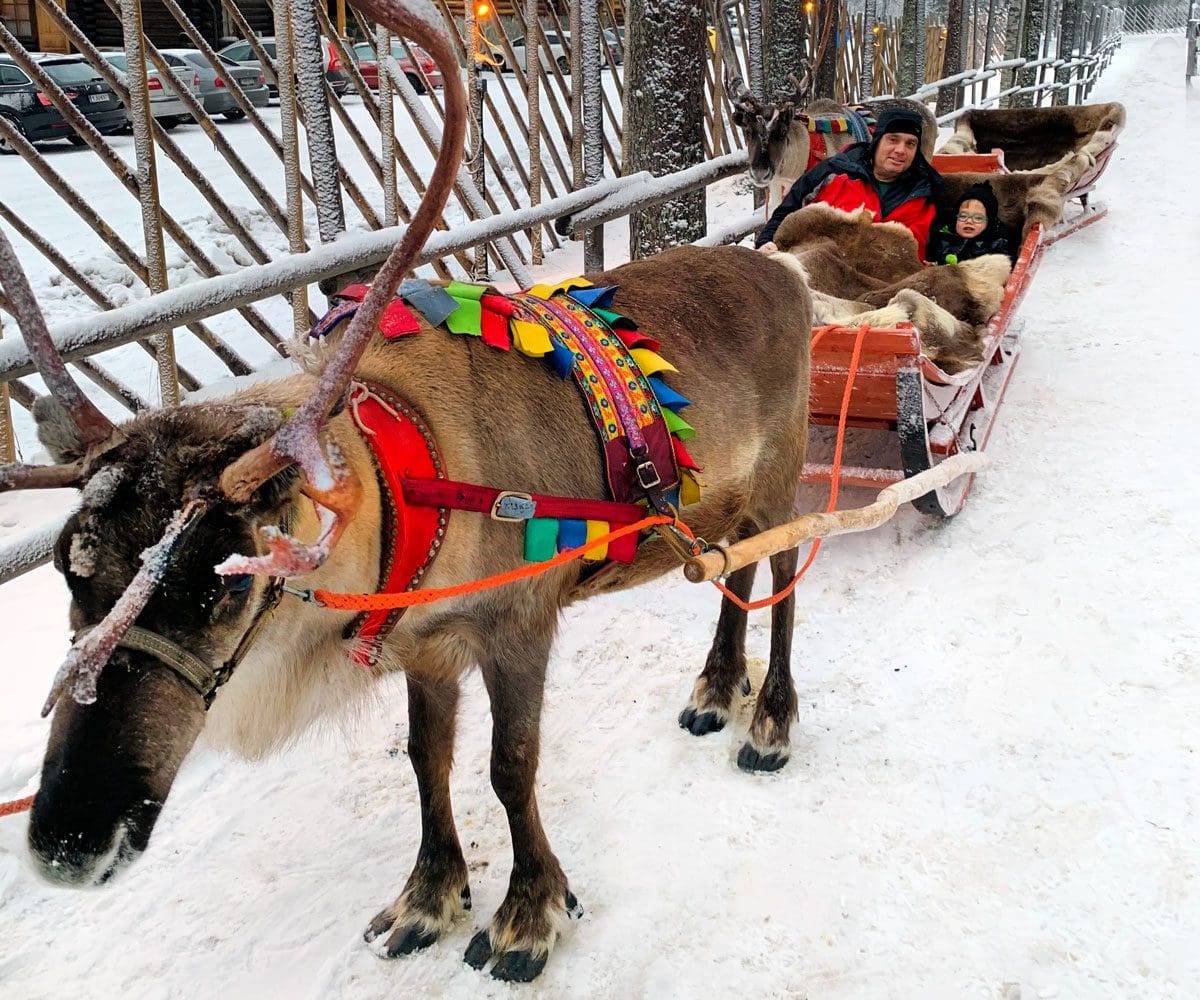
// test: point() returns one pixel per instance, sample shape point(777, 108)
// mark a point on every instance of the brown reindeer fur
point(1033, 138)
point(860, 272)
point(736, 325)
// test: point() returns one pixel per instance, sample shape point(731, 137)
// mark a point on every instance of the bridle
point(197, 674)
point(186, 665)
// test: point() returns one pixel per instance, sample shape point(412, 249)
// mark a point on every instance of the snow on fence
point(151, 322)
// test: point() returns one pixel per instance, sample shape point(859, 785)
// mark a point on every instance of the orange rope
point(387, 602)
point(775, 598)
point(16, 806)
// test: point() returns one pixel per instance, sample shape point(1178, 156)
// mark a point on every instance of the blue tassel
point(562, 360)
point(667, 396)
point(594, 298)
point(571, 534)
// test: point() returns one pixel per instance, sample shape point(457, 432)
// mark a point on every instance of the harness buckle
point(647, 474)
point(510, 506)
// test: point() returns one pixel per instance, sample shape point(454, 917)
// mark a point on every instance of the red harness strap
point(510, 505)
point(402, 447)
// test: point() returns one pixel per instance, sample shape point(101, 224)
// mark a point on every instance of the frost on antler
point(287, 556)
point(88, 656)
point(298, 441)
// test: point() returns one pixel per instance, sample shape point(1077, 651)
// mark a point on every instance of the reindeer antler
point(332, 484)
point(741, 95)
point(97, 430)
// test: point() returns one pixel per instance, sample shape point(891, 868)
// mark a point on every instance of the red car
point(364, 55)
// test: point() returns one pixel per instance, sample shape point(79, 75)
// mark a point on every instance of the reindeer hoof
point(701, 723)
point(406, 940)
point(478, 951)
point(746, 688)
point(751, 760)
point(518, 967)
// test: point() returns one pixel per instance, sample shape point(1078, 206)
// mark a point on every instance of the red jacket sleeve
point(918, 215)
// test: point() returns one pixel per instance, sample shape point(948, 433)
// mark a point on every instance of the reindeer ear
point(57, 432)
point(739, 119)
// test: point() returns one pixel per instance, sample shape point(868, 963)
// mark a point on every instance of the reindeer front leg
point(525, 927)
point(436, 892)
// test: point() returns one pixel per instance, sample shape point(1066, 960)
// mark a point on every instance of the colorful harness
point(856, 119)
point(619, 373)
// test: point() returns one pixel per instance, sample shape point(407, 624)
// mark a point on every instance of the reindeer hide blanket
point(861, 272)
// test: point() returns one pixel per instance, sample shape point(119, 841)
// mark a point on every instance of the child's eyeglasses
point(971, 217)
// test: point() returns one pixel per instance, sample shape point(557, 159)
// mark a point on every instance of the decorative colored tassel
point(545, 291)
point(614, 320)
point(597, 529)
point(651, 363)
point(571, 534)
point(562, 359)
point(397, 320)
point(468, 317)
point(677, 425)
point(432, 302)
point(541, 538)
point(494, 327)
point(594, 297)
point(681, 455)
point(689, 488)
point(530, 338)
point(668, 397)
point(632, 339)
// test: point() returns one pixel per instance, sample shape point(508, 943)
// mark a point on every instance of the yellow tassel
point(597, 529)
point(530, 338)
point(651, 363)
point(545, 291)
point(689, 488)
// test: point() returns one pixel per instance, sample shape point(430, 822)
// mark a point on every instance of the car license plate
point(97, 98)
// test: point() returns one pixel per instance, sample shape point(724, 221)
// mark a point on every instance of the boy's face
point(972, 219)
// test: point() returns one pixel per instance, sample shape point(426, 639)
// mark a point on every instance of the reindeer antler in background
point(330, 482)
point(97, 431)
point(742, 97)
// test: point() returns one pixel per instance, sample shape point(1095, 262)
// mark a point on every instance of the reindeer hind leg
point(767, 744)
point(711, 703)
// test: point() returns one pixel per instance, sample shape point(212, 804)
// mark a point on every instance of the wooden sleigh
point(931, 414)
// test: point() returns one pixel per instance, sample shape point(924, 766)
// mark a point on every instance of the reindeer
point(192, 519)
point(778, 142)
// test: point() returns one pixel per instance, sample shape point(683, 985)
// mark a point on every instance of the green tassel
point(541, 538)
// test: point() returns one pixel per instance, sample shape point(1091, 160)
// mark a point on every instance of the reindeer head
point(766, 127)
point(180, 545)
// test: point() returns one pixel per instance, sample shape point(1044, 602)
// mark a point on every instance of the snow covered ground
point(994, 785)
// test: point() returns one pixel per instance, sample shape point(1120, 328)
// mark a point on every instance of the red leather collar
point(403, 448)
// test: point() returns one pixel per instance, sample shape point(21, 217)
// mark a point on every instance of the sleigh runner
point(932, 413)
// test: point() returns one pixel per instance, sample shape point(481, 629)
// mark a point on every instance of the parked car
point(364, 57)
point(166, 105)
point(560, 49)
point(243, 53)
point(213, 91)
point(33, 114)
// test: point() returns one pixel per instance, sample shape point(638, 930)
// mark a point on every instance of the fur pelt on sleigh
point(862, 272)
point(1037, 139)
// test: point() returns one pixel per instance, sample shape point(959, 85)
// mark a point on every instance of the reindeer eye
point(239, 583)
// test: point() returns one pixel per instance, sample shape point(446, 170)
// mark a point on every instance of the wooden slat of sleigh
point(873, 396)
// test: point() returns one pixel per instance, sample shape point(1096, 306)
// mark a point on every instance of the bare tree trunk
point(783, 44)
point(664, 116)
point(1068, 27)
point(1033, 27)
point(825, 81)
point(1012, 45)
point(866, 73)
point(950, 98)
point(912, 47)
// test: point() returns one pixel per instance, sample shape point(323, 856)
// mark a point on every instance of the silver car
point(166, 105)
point(215, 95)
